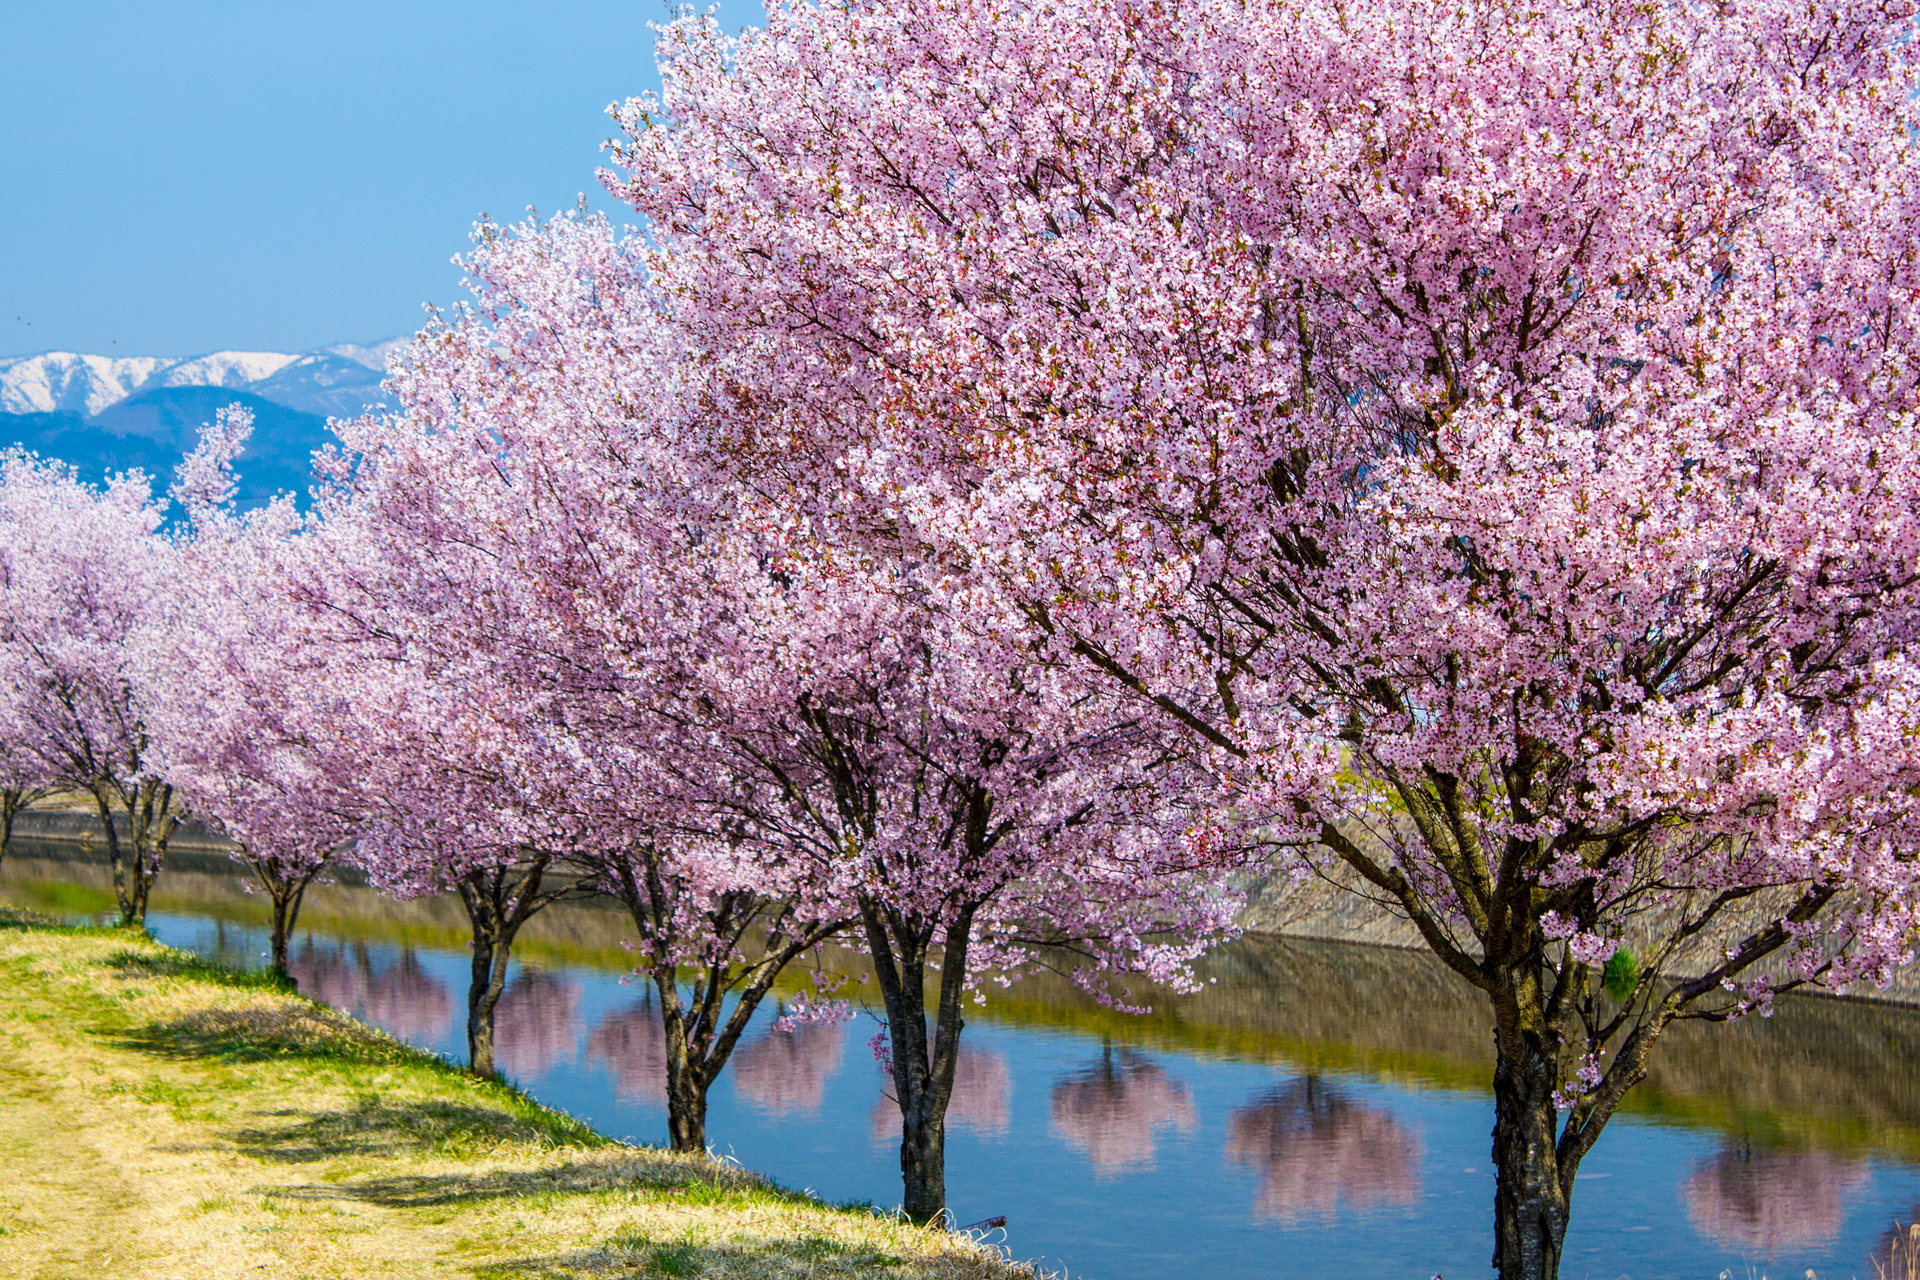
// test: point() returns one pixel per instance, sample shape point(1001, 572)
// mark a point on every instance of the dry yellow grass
point(161, 1118)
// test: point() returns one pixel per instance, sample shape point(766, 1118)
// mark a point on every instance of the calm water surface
point(1319, 1111)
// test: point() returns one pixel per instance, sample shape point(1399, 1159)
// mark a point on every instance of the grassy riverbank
point(161, 1117)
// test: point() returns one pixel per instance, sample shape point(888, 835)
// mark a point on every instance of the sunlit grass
point(162, 1115)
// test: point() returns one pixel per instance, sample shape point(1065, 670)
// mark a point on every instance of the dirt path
point(60, 1216)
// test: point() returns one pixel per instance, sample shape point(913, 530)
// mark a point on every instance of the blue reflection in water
point(1122, 1163)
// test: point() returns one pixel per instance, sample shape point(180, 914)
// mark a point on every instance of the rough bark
point(286, 911)
point(1532, 1199)
point(136, 858)
point(285, 892)
point(701, 1031)
point(499, 900)
point(923, 1059)
point(491, 953)
point(748, 940)
point(687, 1087)
point(12, 801)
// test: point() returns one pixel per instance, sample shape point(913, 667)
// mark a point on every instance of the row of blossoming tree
point(532, 643)
point(1039, 457)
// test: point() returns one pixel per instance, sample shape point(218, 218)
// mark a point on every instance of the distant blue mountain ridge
point(154, 430)
point(108, 414)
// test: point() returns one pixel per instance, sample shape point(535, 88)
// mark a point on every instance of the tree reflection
point(537, 1023)
point(1114, 1110)
point(787, 1071)
point(1764, 1199)
point(1318, 1151)
point(982, 1088)
point(632, 1046)
point(400, 997)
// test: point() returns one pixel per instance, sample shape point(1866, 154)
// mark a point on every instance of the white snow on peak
point(63, 380)
point(371, 354)
point(230, 369)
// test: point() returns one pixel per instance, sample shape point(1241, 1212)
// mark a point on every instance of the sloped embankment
point(163, 1117)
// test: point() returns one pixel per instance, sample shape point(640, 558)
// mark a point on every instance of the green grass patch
point(308, 1144)
point(29, 919)
point(168, 964)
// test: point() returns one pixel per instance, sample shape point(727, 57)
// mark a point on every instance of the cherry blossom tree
point(516, 553)
point(80, 567)
point(25, 776)
point(404, 730)
point(1490, 431)
point(411, 732)
point(977, 815)
point(24, 779)
point(747, 737)
point(232, 689)
point(19, 790)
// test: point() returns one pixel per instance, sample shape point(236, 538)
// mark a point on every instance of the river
point(1319, 1110)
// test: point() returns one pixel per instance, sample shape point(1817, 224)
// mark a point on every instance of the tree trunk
point(697, 1048)
point(12, 801)
point(923, 1062)
point(131, 881)
point(923, 1161)
point(286, 910)
point(1531, 1199)
point(686, 1102)
point(498, 901)
point(488, 979)
point(136, 861)
point(122, 891)
point(700, 1032)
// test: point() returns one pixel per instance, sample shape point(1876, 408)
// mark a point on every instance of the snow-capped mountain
point(233, 370)
point(105, 414)
point(334, 381)
point(60, 381)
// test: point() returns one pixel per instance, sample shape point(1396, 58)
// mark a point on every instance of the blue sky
point(186, 177)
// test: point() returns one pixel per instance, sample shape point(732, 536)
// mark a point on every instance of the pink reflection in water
point(632, 1046)
point(400, 998)
point(1318, 1151)
point(1763, 1200)
point(537, 1023)
point(1115, 1109)
point(982, 1090)
point(787, 1071)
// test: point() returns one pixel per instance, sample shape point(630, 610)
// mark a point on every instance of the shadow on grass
point(194, 968)
point(804, 1257)
point(279, 1032)
point(380, 1128)
point(574, 1178)
point(301, 1032)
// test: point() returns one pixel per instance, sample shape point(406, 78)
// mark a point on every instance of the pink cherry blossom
point(81, 569)
point(234, 690)
point(1488, 432)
